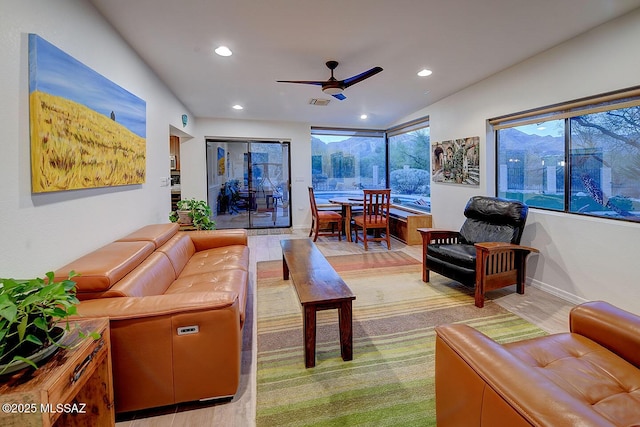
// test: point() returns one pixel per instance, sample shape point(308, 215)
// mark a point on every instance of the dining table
point(347, 203)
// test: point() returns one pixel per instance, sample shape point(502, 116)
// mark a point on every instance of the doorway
point(249, 183)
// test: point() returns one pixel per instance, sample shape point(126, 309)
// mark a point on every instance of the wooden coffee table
point(319, 287)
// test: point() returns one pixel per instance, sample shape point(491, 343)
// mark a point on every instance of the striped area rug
point(390, 380)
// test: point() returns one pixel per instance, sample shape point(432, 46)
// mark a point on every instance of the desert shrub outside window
point(410, 165)
point(582, 157)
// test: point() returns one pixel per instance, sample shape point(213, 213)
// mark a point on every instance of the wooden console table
point(72, 388)
point(319, 287)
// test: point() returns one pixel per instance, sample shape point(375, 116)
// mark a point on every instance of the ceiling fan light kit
point(333, 86)
point(332, 90)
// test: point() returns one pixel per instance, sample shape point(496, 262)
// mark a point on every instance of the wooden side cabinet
point(404, 225)
point(72, 388)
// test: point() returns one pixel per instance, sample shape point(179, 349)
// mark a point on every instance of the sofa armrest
point(479, 382)
point(611, 327)
point(209, 239)
point(123, 308)
point(168, 349)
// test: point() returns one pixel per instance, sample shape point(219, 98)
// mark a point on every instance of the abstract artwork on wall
point(456, 161)
point(86, 131)
point(221, 161)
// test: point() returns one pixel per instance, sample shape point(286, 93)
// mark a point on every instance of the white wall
point(581, 258)
point(41, 232)
point(193, 152)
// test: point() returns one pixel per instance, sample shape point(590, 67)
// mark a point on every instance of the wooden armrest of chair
point(435, 235)
point(501, 246)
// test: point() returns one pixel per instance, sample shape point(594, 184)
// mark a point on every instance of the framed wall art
point(85, 130)
point(456, 161)
point(221, 161)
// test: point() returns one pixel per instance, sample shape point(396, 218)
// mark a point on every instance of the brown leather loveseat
point(587, 377)
point(176, 303)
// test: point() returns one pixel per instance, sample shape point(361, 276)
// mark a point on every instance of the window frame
point(416, 124)
point(620, 99)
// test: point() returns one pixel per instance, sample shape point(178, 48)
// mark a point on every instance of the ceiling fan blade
point(360, 77)
point(339, 96)
point(306, 82)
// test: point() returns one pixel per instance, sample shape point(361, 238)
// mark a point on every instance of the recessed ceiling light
point(237, 107)
point(363, 116)
point(223, 51)
point(425, 73)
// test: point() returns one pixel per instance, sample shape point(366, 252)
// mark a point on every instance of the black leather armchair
point(485, 253)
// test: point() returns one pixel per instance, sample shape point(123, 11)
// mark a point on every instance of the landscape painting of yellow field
point(86, 131)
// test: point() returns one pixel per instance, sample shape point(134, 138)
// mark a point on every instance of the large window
point(343, 162)
point(346, 161)
point(582, 157)
point(410, 165)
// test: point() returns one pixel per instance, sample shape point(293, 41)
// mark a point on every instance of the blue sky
point(549, 128)
point(55, 72)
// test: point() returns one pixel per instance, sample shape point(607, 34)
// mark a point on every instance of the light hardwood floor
point(548, 312)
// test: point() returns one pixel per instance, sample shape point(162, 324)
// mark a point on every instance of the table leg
point(346, 331)
point(309, 335)
point(347, 222)
point(285, 269)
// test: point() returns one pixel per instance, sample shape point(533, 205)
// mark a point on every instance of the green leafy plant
point(197, 210)
point(29, 311)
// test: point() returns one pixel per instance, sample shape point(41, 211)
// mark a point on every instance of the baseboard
point(562, 294)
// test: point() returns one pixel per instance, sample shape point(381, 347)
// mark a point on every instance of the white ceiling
point(462, 41)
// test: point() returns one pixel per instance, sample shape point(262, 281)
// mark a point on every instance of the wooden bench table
point(319, 287)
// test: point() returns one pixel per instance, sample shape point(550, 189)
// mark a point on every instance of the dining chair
point(375, 216)
point(322, 219)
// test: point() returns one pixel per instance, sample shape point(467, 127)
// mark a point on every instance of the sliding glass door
point(249, 183)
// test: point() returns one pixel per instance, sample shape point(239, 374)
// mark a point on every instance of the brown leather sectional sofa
point(176, 303)
point(587, 377)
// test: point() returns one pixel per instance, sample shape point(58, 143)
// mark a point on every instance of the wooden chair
point(486, 252)
point(375, 215)
point(322, 219)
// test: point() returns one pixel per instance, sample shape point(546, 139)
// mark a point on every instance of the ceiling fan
point(333, 86)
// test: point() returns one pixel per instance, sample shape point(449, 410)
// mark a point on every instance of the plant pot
point(184, 217)
point(35, 353)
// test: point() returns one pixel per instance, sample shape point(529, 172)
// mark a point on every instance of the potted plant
point(192, 211)
point(29, 313)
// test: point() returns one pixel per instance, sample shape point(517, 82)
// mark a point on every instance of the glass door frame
point(219, 169)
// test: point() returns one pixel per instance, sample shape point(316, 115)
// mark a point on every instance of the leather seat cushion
point(496, 210)
point(475, 231)
point(491, 219)
point(229, 280)
point(179, 249)
point(457, 254)
point(216, 259)
point(601, 379)
point(158, 234)
point(152, 277)
point(102, 268)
